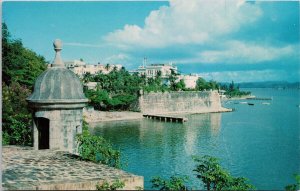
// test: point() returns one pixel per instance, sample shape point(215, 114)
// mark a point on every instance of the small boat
point(243, 102)
point(265, 103)
point(250, 103)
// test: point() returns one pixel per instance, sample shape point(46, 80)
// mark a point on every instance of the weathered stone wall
point(63, 127)
point(26, 169)
point(180, 102)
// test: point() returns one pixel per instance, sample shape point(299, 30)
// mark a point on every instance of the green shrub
point(295, 186)
point(107, 186)
point(210, 172)
point(16, 118)
point(97, 149)
point(175, 183)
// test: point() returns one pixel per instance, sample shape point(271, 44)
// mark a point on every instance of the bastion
point(180, 102)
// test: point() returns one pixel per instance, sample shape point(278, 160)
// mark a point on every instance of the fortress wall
point(180, 102)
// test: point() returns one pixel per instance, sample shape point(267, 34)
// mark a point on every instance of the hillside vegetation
point(20, 68)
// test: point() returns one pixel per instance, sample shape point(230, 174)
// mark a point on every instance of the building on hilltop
point(80, 68)
point(151, 71)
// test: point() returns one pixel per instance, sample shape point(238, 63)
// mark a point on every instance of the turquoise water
point(260, 142)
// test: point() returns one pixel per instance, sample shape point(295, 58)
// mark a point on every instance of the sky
point(221, 40)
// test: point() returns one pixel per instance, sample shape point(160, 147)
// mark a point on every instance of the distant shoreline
point(238, 98)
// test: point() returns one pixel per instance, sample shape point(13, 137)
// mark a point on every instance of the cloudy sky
point(222, 40)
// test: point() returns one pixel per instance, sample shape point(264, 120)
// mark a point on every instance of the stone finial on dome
point(57, 60)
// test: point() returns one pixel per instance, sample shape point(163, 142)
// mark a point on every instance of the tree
point(214, 177)
point(115, 68)
point(231, 86)
point(107, 67)
point(175, 183)
point(88, 77)
point(232, 91)
point(213, 85)
point(180, 85)
point(210, 172)
point(19, 64)
point(20, 68)
point(172, 78)
point(201, 84)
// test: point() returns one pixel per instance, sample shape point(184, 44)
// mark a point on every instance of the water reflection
point(249, 142)
point(162, 148)
point(200, 127)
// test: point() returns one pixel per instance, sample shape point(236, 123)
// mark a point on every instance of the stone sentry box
point(57, 103)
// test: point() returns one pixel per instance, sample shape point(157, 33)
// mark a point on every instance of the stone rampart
point(26, 169)
point(181, 102)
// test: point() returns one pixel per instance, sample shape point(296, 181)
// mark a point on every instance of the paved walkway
point(25, 168)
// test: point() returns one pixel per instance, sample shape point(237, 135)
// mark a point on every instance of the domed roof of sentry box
point(57, 84)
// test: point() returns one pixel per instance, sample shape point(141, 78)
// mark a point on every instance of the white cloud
point(117, 58)
point(83, 45)
point(250, 76)
point(245, 53)
point(186, 22)
point(203, 31)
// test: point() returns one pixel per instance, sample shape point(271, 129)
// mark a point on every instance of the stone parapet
point(26, 169)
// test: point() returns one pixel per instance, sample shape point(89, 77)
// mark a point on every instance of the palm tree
point(107, 67)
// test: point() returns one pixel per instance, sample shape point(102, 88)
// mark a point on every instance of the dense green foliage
point(20, 67)
point(233, 91)
point(118, 184)
point(295, 186)
point(202, 84)
point(210, 173)
point(115, 90)
point(97, 149)
point(19, 64)
point(214, 177)
point(175, 183)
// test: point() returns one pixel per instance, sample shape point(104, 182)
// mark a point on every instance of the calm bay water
point(260, 142)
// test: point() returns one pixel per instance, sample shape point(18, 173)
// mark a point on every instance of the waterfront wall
point(180, 102)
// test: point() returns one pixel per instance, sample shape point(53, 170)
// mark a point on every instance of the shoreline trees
point(210, 173)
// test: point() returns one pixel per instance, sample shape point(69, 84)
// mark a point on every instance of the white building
point(81, 68)
point(189, 80)
point(152, 70)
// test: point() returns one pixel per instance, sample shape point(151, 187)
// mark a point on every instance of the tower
point(57, 103)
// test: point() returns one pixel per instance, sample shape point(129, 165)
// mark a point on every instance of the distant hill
point(267, 84)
